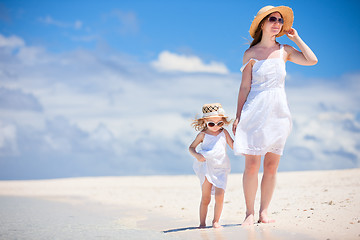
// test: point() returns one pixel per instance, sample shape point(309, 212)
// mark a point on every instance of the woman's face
point(272, 28)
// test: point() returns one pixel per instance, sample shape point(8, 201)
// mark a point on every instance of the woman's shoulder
point(289, 50)
point(249, 57)
point(251, 53)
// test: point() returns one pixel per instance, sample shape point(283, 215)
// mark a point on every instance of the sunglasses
point(274, 19)
point(212, 124)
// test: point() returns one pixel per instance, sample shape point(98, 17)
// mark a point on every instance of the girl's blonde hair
point(200, 124)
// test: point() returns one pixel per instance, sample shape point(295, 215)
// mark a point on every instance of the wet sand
point(305, 205)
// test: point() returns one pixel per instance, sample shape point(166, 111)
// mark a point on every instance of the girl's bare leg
point(205, 200)
point(219, 202)
point(271, 163)
point(250, 184)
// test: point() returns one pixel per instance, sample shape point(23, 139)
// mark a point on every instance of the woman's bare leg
point(250, 184)
point(271, 163)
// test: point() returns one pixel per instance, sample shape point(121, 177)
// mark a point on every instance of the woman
point(263, 120)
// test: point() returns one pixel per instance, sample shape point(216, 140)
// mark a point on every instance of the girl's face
point(273, 24)
point(214, 123)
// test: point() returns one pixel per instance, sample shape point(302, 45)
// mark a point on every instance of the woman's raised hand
point(292, 34)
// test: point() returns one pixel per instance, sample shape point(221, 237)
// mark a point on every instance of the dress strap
point(242, 68)
point(281, 51)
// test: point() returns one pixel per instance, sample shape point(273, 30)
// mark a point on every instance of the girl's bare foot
point(249, 220)
point(202, 226)
point(216, 225)
point(264, 218)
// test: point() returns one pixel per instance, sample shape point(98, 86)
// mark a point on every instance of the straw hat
point(213, 110)
point(286, 13)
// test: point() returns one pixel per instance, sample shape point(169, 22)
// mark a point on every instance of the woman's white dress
point(217, 165)
point(265, 121)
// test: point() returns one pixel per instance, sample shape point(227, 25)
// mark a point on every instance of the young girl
point(263, 120)
point(212, 164)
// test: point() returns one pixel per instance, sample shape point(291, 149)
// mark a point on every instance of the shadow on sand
point(194, 228)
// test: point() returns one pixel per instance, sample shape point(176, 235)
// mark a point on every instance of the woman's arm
point(244, 89)
point(306, 56)
point(199, 138)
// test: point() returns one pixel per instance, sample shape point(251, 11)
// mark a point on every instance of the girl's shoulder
point(201, 134)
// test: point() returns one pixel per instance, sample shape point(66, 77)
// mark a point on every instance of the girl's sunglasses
point(212, 124)
point(274, 19)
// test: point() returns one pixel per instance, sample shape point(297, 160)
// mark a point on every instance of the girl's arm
point(305, 57)
point(229, 140)
point(199, 138)
point(244, 88)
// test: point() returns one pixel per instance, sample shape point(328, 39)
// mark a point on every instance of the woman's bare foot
point(202, 226)
point(216, 225)
point(264, 218)
point(249, 220)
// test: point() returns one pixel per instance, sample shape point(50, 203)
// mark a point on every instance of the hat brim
point(286, 13)
point(215, 116)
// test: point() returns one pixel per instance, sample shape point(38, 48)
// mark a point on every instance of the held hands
point(292, 34)
point(235, 123)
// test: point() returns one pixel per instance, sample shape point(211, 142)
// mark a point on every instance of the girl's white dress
point(217, 165)
point(265, 121)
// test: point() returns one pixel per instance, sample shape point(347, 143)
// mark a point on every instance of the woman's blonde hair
point(200, 123)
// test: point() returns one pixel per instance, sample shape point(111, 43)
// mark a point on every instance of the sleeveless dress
point(217, 165)
point(265, 121)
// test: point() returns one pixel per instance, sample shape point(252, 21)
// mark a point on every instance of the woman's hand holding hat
point(292, 34)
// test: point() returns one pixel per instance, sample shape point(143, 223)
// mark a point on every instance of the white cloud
point(78, 24)
point(168, 61)
point(28, 55)
point(11, 42)
point(326, 123)
point(17, 100)
point(8, 140)
point(128, 21)
point(80, 113)
point(48, 20)
point(32, 55)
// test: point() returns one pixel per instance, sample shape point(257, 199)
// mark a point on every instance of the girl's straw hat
point(286, 13)
point(213, 110)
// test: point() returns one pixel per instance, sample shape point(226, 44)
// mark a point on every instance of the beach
point(305, 205)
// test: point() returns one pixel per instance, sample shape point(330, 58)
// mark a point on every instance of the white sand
point(305, 205)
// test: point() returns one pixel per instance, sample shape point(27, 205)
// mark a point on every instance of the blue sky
point(213, 30)
point(92, 88)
